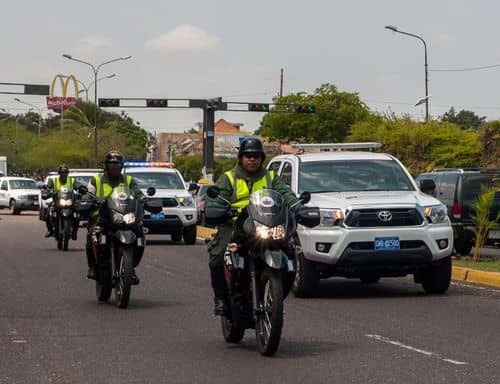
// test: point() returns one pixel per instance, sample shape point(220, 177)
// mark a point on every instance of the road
point(52, 330)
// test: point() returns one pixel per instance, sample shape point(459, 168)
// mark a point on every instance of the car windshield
point(159, 180)
point(82, 179)
point(353, 175)
point(22, 184)
point(472, 187)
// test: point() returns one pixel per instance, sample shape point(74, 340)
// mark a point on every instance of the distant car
point(179, 215)
point(457, 188)
point(201, 195)
point(19, 194)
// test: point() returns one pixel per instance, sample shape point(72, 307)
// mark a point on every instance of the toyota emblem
point(384, 216)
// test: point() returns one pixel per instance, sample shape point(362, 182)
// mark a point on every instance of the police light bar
point(136, 164)
point(338, 146)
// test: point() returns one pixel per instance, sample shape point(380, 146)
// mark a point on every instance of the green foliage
point(464, 119)
point(190, 166)
point(481, 217)
point(421, 147)
point(489, 137)
point(335, 113)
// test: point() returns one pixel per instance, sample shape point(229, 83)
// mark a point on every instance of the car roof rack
point(327, 147)
point(469, 169)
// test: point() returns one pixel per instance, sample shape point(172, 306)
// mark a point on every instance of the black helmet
point(251, 145)
point(114, 156)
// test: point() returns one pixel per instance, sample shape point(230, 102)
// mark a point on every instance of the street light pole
point(39, 113)
point(87, 87)
point(95, 70)
point(394, 29)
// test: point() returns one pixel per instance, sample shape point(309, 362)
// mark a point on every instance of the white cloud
point(184, 38)
point(91, 44)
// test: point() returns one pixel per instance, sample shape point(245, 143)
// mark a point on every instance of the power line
point(465, 69)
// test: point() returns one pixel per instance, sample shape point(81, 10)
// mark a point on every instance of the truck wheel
point(189, 234)
point(13, 209)
point(436, 278)
point(306, 280)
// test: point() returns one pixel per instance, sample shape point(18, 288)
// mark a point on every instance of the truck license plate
point(157, 216)
point(386, 243)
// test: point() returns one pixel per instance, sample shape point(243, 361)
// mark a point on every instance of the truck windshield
point(22, 184)
point(353, 176)
point(158, 180)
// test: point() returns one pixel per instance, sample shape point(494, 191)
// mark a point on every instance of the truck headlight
point(436, 213)
point(186, 200)
point(331, 217)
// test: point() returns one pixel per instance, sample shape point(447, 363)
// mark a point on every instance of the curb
point(476, 276)
point(204, 232)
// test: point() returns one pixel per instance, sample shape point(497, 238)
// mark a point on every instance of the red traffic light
point(258, 107)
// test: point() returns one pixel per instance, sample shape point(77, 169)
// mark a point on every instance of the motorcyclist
point(236, 185)
point(53, 186)
point(102, 186)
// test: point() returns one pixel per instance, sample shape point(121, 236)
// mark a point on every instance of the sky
point(235, 49)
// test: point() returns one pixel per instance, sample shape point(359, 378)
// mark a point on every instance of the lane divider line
point(409, 347)
point(476, 287)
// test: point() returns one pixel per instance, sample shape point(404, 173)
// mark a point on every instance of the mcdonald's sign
point(61, 103)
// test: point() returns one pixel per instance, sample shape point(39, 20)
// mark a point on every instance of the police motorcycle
point(260, 263)
point(64, 214)
point(121, 241)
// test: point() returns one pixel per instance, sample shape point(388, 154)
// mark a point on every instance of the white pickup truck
point(375, 222)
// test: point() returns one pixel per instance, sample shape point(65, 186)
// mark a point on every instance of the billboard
point(63, 102)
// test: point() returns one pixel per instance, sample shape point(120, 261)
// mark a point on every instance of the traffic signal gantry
point(209, 106)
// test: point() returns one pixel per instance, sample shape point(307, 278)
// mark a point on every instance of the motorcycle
point(64, 215)
point(121, 242)
point(260, 263)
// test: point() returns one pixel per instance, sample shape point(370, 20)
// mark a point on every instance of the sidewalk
point(458, 274)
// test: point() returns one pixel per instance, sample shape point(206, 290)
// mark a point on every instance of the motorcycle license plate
point(386, 243)
point(157, 216)
point(494, 234)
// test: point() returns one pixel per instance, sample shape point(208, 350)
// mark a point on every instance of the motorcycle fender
point(126, 237)
point(275, 259)
point(141, 242)
point(65, 212)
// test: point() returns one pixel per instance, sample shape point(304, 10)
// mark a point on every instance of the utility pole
point(281, 83)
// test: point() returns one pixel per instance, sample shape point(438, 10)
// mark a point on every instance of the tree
point(335, 113)
point(482, 217)
point(489, 137)
point(464, 119)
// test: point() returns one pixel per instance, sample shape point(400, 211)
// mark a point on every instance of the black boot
point(135, 279)
point(220, 290)
point(49, 233)
point(92, 273)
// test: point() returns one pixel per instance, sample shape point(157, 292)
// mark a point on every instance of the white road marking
point(409, 347)
point(19, 341)
point(476, 287)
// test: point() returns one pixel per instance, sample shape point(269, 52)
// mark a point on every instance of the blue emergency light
point(136, 164)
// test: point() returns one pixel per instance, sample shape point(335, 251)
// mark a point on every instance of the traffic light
point(109, 103)
point(258, 107)
point(305, 108)
point(157, 103)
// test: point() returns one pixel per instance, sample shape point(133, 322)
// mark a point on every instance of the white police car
point(179, 215)
point(375, 222)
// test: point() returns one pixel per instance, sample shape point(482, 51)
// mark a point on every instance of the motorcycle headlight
point(65, 202)
point(129, 218)
point(117, 218)
point(186, 200)
point(436, 213)
point(264, 232)
point(331, 217)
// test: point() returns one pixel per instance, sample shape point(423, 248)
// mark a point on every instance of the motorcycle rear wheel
point(124, 282)
point(230, 332)
point(269, 321)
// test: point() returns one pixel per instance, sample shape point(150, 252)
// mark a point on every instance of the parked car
point(19, 194)
point(201, 195)
point(179, 215)
point(375, 222)
point(457, 188)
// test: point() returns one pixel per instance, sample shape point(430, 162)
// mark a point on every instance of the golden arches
point(64, 80)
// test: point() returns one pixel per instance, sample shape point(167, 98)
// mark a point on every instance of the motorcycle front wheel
point(103, 285)
point(126, 267)
point(269, 319)
point(231, 333)
point(66, 233)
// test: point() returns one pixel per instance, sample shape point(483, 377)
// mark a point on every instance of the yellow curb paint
point(205, 232)
point(482, 277)
point(458, 273)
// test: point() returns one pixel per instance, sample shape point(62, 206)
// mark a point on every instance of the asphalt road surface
point(52, 330)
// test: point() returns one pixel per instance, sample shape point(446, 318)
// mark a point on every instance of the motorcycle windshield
point(267, 207)
point(122, 201)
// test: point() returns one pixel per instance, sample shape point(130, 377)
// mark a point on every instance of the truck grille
point(33, 197)
point(380, 217)
point(169, 202)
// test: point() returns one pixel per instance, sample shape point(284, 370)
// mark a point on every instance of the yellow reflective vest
point(104, 190)
point(69, 183)
point(241, 193)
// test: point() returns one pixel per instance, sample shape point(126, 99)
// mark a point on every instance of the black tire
point(370, 279)
point(463, 247)
point(231, 334)
point(59, 241)
point(306, 281)
point(176, 236)
point(12, 208)
point(103, 285)
point(189, 234)
point(66, 233)
point(436, 278)
point(269, 322)
point(123, 285)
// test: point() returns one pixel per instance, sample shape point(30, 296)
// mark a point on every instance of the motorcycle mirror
point(305, 197)
point(151, 191)
point(213, 191)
